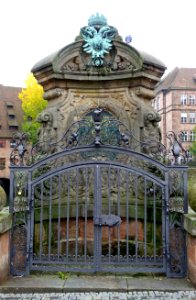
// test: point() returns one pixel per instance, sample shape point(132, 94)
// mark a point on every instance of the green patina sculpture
point(98, 38)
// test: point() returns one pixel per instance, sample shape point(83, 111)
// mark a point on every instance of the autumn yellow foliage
point(32, 98)
point(32, 104)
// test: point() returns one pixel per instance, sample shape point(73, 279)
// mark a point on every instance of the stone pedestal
point(5, 226)
point(190, 227)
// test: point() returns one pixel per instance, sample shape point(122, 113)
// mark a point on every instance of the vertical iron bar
point(118, 202)
point(136, 216)
point(11, 208)
point(77, 220)
point(26, 187)
point(97, 214)
point(109, 191)
point(154, 220)
point(165, 224)
point(59, 214)
point(145, 218)
point(50, 220)
point(109, 212)
point(127, 215)
point(85, 212)
point(41, 222)
point(109, 245)
point(68, 208)
point(30, 222)
point(185, 180)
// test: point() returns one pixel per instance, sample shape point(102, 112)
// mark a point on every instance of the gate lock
point(107, 220)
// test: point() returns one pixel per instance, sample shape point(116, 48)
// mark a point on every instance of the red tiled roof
point(178, 78)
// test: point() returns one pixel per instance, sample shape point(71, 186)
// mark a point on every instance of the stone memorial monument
point(99, 70)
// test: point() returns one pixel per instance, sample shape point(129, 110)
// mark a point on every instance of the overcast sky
point(33, 29)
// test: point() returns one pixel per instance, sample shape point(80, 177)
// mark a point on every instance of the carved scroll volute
point(151, 132)
point(55, 96)
point(151, 128)
point(48, 129)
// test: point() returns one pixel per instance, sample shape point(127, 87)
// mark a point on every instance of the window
point(156, 103)
point(2, 144)
point(183, 117)
point(2, 163)
point(13, 127)
point(192, 117)
point(11, 117)
point(9, 105)
point(192, 136)
point(192, 99)
point(13, 124)
point(184, 99)
point(184, 136)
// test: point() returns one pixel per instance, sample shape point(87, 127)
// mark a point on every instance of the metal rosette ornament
point(178, 155)
point(98, 36)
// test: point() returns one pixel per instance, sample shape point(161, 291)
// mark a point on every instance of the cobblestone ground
point(148, 295)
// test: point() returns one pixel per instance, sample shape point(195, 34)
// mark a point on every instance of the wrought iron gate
point(96, 208)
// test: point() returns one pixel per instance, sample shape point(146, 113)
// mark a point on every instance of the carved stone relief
point(75, 64)
point(129, 105)
point(113, 63)
point(119, 102)
point(121, 63)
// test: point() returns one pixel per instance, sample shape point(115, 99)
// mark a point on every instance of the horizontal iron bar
point(79, 268)
point(115, 149)
point(90, 164)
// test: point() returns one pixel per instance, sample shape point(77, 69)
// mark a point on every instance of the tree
point(32, 104)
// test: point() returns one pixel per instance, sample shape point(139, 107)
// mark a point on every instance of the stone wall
point(5, 226)
point(192, 188)
point(190, 227)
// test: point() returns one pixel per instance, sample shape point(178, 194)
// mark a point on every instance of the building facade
point(11, 117)
point(176, 103)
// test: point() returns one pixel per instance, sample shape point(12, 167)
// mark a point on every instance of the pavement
point(94, 283)
point(94, 287)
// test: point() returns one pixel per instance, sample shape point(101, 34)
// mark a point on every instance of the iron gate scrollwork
point(97, 204)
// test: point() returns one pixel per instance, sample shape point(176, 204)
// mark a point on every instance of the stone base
point(190, 227)
point(191, 251)
point(5, 225)
point(192, 272)
point(4, 257)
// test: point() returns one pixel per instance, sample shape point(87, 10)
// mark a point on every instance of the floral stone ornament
point(98, 38)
